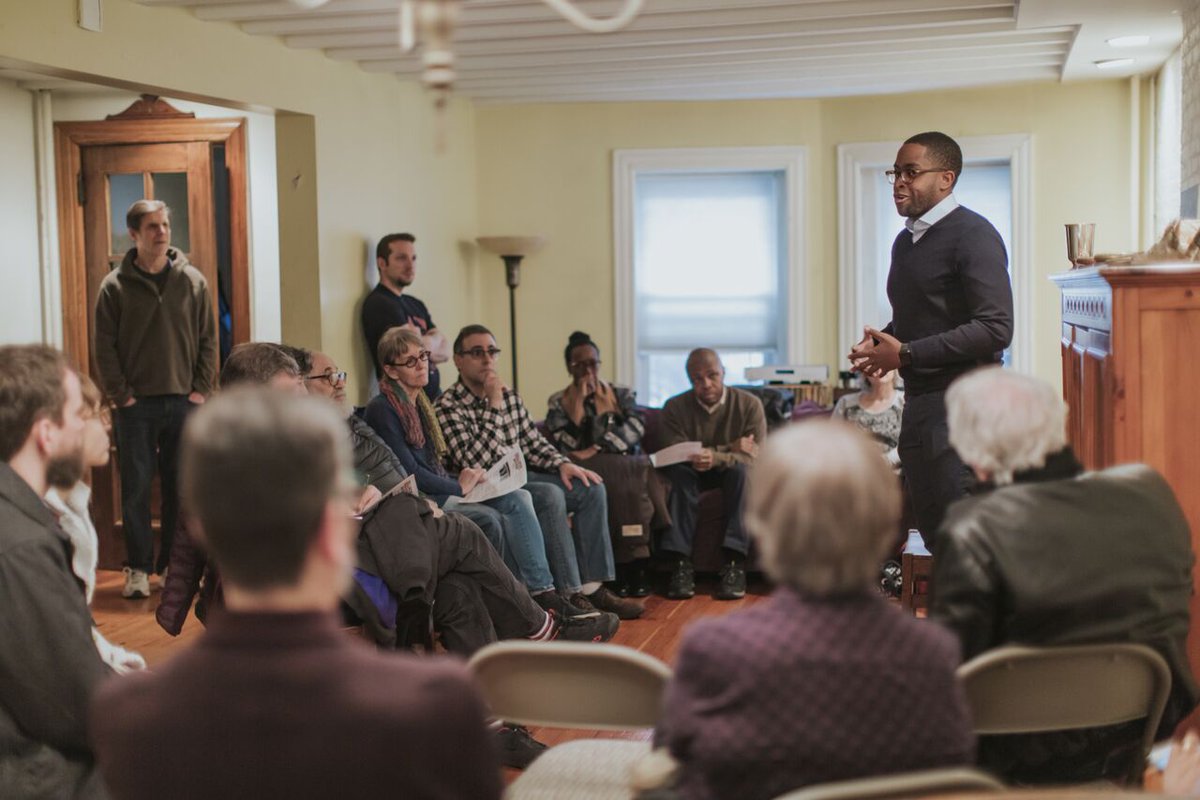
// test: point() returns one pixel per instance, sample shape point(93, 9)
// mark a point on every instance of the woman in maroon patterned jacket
point(827, 680)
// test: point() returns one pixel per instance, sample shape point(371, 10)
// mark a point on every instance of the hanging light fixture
point(431, 23)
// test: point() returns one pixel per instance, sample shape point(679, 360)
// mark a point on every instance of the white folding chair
point(1019, 689)
point(574, 685)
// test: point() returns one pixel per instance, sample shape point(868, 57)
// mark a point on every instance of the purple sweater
point(802, 690)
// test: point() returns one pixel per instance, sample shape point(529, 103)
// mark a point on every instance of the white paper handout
point(506, 475)
point(676, 454)
point(406, 486)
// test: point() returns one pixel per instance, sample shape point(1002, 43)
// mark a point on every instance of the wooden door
point(113, 177)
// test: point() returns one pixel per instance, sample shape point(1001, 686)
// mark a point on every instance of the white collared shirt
point(713, 408)
point(917, 227)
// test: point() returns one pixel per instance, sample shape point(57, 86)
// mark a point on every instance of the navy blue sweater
point(951, 299)
point(419, 461)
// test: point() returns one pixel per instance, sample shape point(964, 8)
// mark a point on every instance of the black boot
point(639, 580)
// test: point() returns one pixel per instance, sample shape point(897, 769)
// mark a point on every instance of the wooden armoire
point(1131, 381)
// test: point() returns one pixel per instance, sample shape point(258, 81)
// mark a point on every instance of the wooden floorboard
point(131, 624)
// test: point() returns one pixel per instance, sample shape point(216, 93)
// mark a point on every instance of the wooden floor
point(130, 623)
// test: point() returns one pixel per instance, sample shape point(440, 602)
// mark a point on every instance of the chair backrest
point(906, 784)
point(571, 684)
point(1019, 689)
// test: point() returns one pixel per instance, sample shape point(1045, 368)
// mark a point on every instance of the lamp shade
point(511, 245)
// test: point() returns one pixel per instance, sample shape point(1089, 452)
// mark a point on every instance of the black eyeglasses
point(412, 361)
point(908, 174)
point(480, 352)
point(590, 363)
point(332, 378)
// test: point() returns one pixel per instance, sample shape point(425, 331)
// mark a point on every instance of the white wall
point(262, 197)
point(21, 298)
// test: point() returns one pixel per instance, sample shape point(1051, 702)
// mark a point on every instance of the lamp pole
point(512, 276)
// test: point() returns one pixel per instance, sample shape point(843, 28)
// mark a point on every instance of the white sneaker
point(137, 584)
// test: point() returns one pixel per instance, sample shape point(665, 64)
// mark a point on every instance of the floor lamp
point(512, 249)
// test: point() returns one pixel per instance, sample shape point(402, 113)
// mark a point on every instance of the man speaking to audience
point(952, 311)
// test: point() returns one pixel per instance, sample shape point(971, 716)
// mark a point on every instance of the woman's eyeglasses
point(412, 361)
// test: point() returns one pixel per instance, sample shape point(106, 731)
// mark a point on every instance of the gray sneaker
point(563, 608)
point(599, 628)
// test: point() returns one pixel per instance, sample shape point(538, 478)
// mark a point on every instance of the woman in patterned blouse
point(877, 410)
point(595, 422)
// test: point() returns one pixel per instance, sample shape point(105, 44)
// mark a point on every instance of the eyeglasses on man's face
point(412, 361)
point(479, 353)
point(908, 174)
point(329, 376)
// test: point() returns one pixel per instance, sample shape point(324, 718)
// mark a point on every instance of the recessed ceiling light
point(1129, 41)
point(1113, 63)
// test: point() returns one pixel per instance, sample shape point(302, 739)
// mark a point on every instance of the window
point(994, 182)
point(706, 257)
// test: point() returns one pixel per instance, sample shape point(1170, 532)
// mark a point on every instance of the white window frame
point(857, 300)
point(628, 164)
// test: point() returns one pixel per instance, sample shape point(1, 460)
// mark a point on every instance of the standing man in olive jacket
point(49, 664)
point(156, 351)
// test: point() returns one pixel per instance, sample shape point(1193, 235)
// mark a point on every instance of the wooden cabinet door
point(113, 178)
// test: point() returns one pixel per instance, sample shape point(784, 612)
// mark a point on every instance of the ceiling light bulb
point(1129, 41)
point(1113, 63)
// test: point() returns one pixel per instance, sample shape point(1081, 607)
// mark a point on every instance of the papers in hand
point(506, 475)
point(676, 453)
point(406, 486)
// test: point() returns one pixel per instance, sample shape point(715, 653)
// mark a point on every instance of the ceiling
point(512, 51)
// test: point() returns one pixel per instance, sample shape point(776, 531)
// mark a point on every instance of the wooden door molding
point(69, 138)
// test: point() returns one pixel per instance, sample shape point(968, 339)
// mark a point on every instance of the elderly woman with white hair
point(1047, 554)
point(826, 680)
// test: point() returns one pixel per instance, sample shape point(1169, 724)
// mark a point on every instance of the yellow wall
point(377, 169)
point(546, 169)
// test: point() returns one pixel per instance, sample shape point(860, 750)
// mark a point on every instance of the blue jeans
point(148, 436)
point(585, 545)
point(521, 544)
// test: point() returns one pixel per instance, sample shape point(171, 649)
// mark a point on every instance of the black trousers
point(148, 438)
point(934, 473)
point(477, 600)
point(686, 486)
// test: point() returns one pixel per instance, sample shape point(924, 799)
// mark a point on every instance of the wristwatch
point(905, 355)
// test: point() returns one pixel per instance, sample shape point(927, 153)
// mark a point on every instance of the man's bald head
point(707, 374)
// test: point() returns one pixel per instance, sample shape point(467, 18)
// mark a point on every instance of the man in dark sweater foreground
point(952, 311)
point(274, 700)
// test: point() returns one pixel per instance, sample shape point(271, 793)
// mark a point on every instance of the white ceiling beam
point(475, 13)
point(559, 62)
point(833, 73)
point(654, 18)
point(517, 42)
point(777, 88)
point(949, 60)
point(859, 41)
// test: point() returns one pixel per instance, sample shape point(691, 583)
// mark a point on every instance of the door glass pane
point(123, 191)
point(171, 188)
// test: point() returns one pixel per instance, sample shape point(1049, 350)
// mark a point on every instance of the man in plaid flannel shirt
point(480, 419)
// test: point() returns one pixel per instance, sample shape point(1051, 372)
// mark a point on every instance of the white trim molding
point(628, 164)
point(50, 265)
point(855, 300)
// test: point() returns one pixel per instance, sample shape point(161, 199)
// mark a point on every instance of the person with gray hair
point(826, 671)
point(1047, 554)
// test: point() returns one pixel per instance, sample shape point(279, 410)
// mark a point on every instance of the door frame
point(69, 139)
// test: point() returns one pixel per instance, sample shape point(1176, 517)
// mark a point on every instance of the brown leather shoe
point(604, 600)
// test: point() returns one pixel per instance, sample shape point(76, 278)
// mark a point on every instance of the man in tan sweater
point(730, 424)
